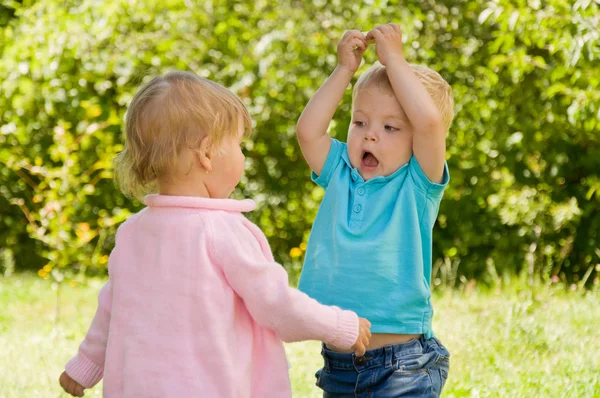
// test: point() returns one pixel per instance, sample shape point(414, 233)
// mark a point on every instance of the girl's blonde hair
point(439, 90)
point(168, 115)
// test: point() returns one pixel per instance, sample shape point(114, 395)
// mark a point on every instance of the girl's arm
point(263, 285)
point(87, 367)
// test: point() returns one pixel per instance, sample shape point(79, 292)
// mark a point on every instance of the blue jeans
point(417, 368)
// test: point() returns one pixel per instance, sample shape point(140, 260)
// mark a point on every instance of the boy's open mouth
point(369, 160)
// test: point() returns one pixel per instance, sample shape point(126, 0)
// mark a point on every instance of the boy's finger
point(358, 43)
point(355, 40)
point(381, 28)
point(350, 34)
point(374, 34)
point(388, 27)
point(358, 34)
point(395, 26)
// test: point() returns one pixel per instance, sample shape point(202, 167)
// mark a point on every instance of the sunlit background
point(517, 243)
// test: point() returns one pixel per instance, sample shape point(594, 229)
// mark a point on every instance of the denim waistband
point(380, 357)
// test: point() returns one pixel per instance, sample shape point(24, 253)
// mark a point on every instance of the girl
point(195, 305)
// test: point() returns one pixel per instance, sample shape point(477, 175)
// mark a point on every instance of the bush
point(524, 149)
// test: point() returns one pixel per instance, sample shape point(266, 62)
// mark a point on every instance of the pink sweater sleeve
point(87, 366)
point(243, 254)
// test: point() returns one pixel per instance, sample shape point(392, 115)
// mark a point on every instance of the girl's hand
point(388, 39)
point(364, 337)
point(350, 49)
point(70, 385)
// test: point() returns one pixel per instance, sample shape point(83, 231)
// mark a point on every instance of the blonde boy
point(370, 246)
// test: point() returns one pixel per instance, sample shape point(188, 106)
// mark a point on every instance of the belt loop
point(424, 343)
point(389, 355)
point(326, 366)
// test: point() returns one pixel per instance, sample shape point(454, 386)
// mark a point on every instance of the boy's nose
point(371, 136)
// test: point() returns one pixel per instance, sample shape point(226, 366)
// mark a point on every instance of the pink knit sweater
point(197, 307)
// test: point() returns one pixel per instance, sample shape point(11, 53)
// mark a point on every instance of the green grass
point(512, 342)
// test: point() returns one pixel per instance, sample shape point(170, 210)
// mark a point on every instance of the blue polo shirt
point(370, 246)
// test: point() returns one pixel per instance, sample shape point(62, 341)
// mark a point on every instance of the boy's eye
point(390, 128)
point(359, 123)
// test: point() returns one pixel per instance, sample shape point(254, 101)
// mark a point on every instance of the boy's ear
point(203, 154)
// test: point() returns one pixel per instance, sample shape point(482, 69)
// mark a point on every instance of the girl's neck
point(182, 189)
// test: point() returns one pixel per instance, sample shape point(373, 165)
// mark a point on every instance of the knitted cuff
point(347, 330)
point(84, 371)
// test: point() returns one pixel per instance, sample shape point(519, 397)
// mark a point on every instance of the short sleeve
point(423, 183)
point(334, 160)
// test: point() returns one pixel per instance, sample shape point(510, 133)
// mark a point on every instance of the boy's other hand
point(350, 49)
point(388, 39)
point(70, 385)
point(364, 337)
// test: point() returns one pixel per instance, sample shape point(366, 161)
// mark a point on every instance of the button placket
point(358, 208)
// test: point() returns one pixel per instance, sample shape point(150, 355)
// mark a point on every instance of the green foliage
point(524, 150)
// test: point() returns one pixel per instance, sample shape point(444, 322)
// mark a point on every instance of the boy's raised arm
point(429, 140)
point(314, 121)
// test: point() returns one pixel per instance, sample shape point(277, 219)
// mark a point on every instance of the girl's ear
point(203, 154)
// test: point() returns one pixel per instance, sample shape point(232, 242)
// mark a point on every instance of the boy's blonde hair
point(439, 90)
point(168, 115)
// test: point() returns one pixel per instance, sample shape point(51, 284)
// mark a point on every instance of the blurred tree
point(524, 150)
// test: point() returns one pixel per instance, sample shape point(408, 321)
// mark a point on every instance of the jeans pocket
point(440, 348)
point(442, 367)
point(412, 364)
point(336, 382)
point(442, 361)
point(406, 382)
point(437, 381)
point(444, 373)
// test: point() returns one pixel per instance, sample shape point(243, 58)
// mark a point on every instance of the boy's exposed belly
point(379, 340)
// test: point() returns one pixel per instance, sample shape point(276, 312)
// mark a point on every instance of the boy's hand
point(364, 337)
point(388, 39)
point(70, 385)
point(350, 49)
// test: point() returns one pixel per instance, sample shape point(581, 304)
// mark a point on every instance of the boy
point(370, 246)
